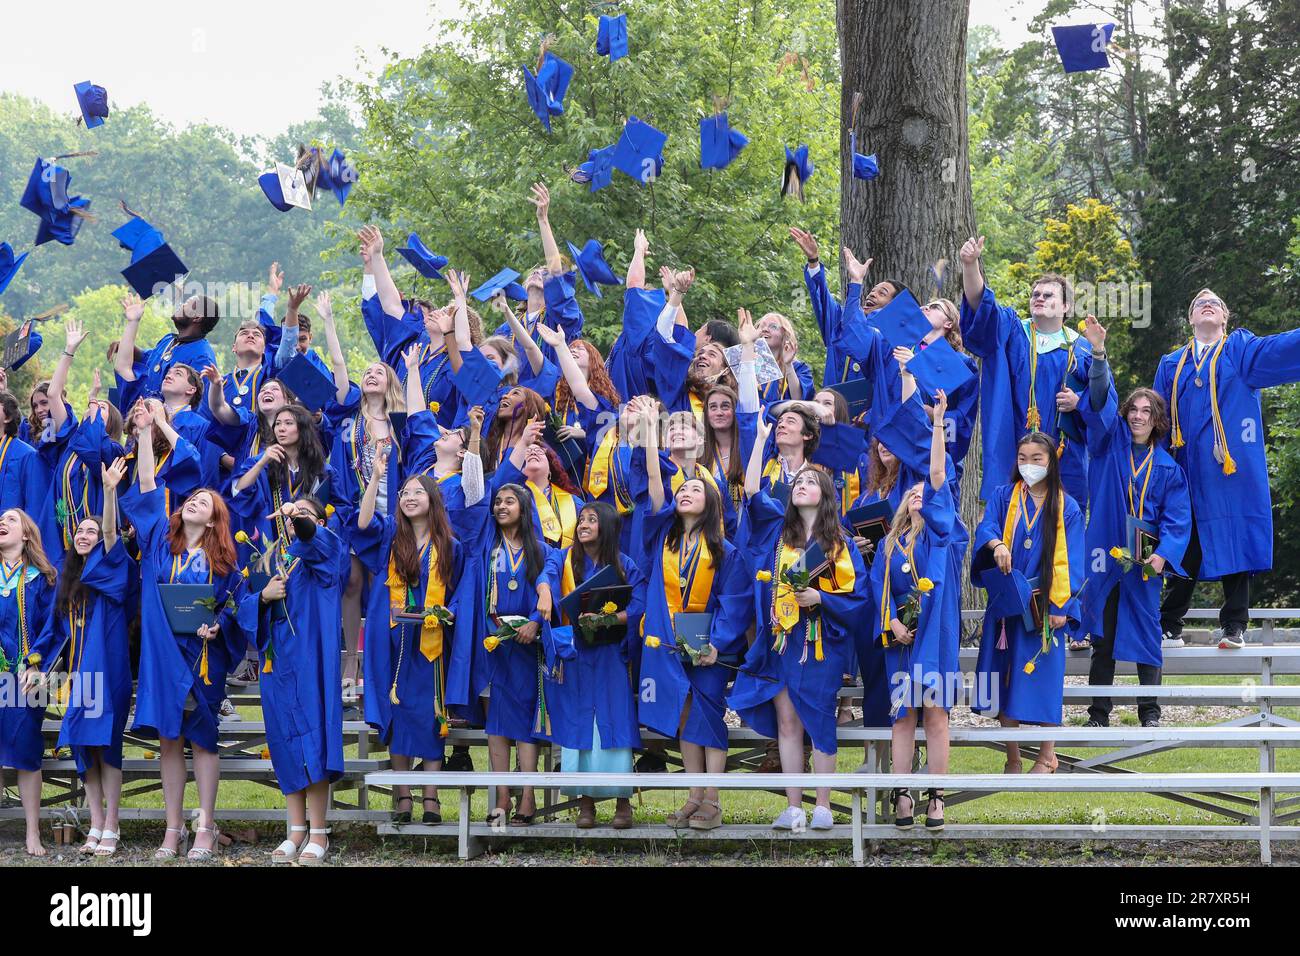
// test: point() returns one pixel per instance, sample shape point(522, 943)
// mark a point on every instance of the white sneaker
point(1171, 639)
point(822, 819)
point(227, 710)
point(791, 818)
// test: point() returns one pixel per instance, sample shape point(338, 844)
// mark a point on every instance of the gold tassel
point(1229, 466)
point(203, 665)
point(266, 668)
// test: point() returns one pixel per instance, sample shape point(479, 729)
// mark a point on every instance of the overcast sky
point(234, 65)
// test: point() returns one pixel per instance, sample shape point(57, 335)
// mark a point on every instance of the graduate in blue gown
point(27, 643)
point(294, 622)
point(730, 426)
point(142, 373)
point(586, 402)
point(683, 366)
point(24, 480)
point(1132, 479)
point(182, 677)
point(693, 569)
point(175, 460)
point(788, 685)
point(1211, 386)
point(1032, 526)
point(916, 575)
point(594, 710)
point(796, 381)
point(1024, 388)
point(90, 620)
point(512, 574)
point(609, 475)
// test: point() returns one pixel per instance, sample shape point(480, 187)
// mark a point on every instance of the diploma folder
point(871, 521)
point(592, 601)
point(1142, 538)
point(184, 614)
point(571, 605)
point(692, 630)
point(257, 582)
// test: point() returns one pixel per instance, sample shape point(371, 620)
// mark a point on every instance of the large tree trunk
point(908, 59)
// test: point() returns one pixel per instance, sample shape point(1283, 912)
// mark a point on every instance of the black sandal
point(432, 816)
point(903, 823)
point(402, 816)
point(933, 796)
point(523, 819)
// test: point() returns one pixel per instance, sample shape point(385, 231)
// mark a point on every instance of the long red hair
point(598, 379)
point(216, 542)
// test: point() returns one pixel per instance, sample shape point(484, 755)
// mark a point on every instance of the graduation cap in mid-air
point(93, 101)
point(597, 170)
point(9, 264)
point(313, 387)
point(611, 37)
point(498, 283)
point(46, 195)
point(477, 379)
point(286, 187)
point(546, 88)
point(426, 263)
point(591, 265)
point(337, 175)
point(901, 321)
point(719, 143)
point(639, 150)
point(939, 366)
point(154, 265)
point(16, 345)
point(798, 170)
point(1083, 47)
point(864, 167)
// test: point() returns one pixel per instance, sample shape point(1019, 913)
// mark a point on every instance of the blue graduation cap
point(798, 170)
point(1009, 594)
point(337, 175)
point(154, 265)
point(93, 101)
point(477, 379)
point(639, 145)
point(501, 280)
point(46, 195)
point(611, 37)
point(547, 88)
point(939, 366)
point(591, 265)
point(901, 321)
point(597, 170)
point(864, 167)
point(9, 264)
point(426, 263)
point(840, 447)
point(857, 395)
point(313, 387)
point(1083, 47)
point(719, 143)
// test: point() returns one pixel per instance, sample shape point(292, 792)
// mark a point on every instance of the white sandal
point(288, 851)
point(314, 853)
point(166, 852)
point(107, 835)
point(93, 837)
point(201, 854)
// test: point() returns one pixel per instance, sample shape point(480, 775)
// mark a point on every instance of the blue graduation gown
point(926, 672)
point(670, 363)
point(21, 743)
point(596, 691)
point(408, 727)
point(149, 374)
point(627, 362)
point(561, 311)
point(300, 698)
point(778, 390)
point(667, 682)
point(249, 508)
point(1001, 685)
point(170, 663)
point(1233, 513)
point(813, 685)
point(1001, 338)
point(24, 480)
point(352, 477)
point(100, 669)
point(840, 366)
point(1165, 503)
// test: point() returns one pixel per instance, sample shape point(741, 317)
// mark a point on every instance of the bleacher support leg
point(859, 854)
point(1265, 820)
point(470, 847)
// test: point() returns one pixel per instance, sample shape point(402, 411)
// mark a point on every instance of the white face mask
point(1033, 474)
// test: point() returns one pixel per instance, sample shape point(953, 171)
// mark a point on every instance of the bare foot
point(34, 847)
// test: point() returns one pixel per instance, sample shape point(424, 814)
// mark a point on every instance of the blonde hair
point(394, 393)
point(1227, 316)
point(33, 550)
point(787, 327)
point(903, 519)
point(953, 335)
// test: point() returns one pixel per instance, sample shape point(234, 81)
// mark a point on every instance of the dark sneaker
point(1233, 639)
point(1095, 723)
point(651, 763)
point(459, 759)
point(1151, 722)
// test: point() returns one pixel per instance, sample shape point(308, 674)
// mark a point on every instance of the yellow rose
point(244, 573)
point(609, 608)
point(435, 407)
point(1116, 553)
point(763, 576)
point(925, 585)
point(1083, 325)
point(242, 537)
point(266, 753)
point(431, 620)
point(329, 512)
point(652, 642)
point(491, 643)
point(1029, 667)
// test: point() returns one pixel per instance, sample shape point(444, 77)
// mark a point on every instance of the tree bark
point(908, 59)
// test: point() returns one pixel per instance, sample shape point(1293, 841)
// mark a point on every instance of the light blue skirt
point(597, 760)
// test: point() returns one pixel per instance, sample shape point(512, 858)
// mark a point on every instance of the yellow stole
point(1220, 434)
point(1060, 591)
point(688, 578)
point(602, 473)
point(697, 406)
point(435, 593)
point(558, 514)
point(839, 579)
point(679, 477)
point(852, 489)
point(886, 590)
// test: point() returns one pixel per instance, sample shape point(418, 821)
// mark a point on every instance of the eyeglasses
point(1041, 295)
point(1202, 303)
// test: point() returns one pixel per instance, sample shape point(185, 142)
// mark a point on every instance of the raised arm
point(366, 513)
point(372, 253)
point(338, 363)
point(754, 467)
point(903, 355)
point(522, 338)
point(124, 360)
point(746, 375)
point(972, 275)
point(636, 268)
point(74, 336)
point(541, 198)
point(112, 476)
point(414, 387)
point(582, 393)
point(472, 483)
point(938, 452)
point(531, 435)
point(647, 415)
point(217, 404)
point(461, 341)
point(160, 422)
point(144, 458)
